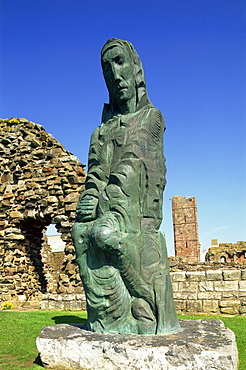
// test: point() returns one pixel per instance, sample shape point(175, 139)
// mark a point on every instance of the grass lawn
point(19, 330)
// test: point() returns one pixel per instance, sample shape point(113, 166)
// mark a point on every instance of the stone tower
point(185, 227)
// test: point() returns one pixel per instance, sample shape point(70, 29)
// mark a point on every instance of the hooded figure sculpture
point(121, 254)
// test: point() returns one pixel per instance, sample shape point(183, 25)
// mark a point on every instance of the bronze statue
point(120, 252)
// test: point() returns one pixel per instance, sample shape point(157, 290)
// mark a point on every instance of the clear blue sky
point(194, 56)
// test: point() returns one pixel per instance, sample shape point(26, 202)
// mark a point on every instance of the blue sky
point(194, 57)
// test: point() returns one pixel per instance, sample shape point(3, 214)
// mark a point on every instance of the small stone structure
point(227, 252)
point(186, 242)
point(40, 184)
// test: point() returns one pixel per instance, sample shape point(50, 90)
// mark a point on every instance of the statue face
point(118, 71)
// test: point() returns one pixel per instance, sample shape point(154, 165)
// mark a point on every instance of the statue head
point(124, 76)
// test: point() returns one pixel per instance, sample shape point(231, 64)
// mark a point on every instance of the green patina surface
point(120, 251)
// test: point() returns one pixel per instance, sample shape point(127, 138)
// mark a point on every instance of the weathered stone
point(231, 274)
point(229, 310)
point(230, 303)
point(205, 286)
point(190, 286)
point(242, 309)
point(177, 276)
point(71, 197)
point(29, 202)
point(200, 344)
point(225, 285)
point(180, 305)
point(209, 295)
point(196, 275)
point(243, 274)
point(214, 275)
point(70, 207)
point(193, 305)
point(232, 294)
point(175, 286)
point(185, 295)
point(210, 306)
point(242, 285)
point(15, 214)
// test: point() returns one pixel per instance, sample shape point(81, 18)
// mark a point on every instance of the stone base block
point(200, 344)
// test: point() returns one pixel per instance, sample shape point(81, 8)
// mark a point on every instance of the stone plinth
point(200, 344)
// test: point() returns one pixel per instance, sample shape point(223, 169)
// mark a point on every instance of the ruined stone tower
point(185, 227)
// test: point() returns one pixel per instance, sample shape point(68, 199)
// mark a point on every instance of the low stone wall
point(67, 302)
point(211, 292)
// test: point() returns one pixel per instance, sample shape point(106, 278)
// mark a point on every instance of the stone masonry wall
point(210, 292)
point(202, 289)
point(40, 183)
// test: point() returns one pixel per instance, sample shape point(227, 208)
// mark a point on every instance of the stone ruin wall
point(40, 184)
point(227, 252)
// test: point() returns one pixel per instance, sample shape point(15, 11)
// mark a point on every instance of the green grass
point(19, 330)
point(18, 333)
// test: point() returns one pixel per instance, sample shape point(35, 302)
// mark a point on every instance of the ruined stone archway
point(40, 183)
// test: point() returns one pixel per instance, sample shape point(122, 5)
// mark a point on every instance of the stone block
point(52, 199)
point(242, 310)
point(230, 303)
point(188, 286)
point(209, 295)
point(175, 286)
point(55, 305)
point(206, 286)
point(243, 274)
point(185, 295)
point(231, 274)
point(71, 197)
point(195, 275)
point(180, 305)
point(193, 306)
point(70, 207)
point(177, 276)
point(232, 294)
point(210, 306)
point(68, 347)
point(222, 286)
point(242, 285)
point(214, 275)
point(229, 310)
point(44, 305)
point(15, 214)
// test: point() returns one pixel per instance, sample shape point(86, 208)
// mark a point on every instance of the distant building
point(186, 242)
point(226, 252)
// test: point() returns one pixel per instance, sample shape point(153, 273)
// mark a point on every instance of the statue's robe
point(121, 254)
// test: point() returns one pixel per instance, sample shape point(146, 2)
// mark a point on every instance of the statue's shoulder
point(154, 120)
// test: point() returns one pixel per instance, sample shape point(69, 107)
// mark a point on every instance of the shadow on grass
point(38, 361)
point(69, 319)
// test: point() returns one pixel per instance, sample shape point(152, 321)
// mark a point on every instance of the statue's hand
point(86, 208)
